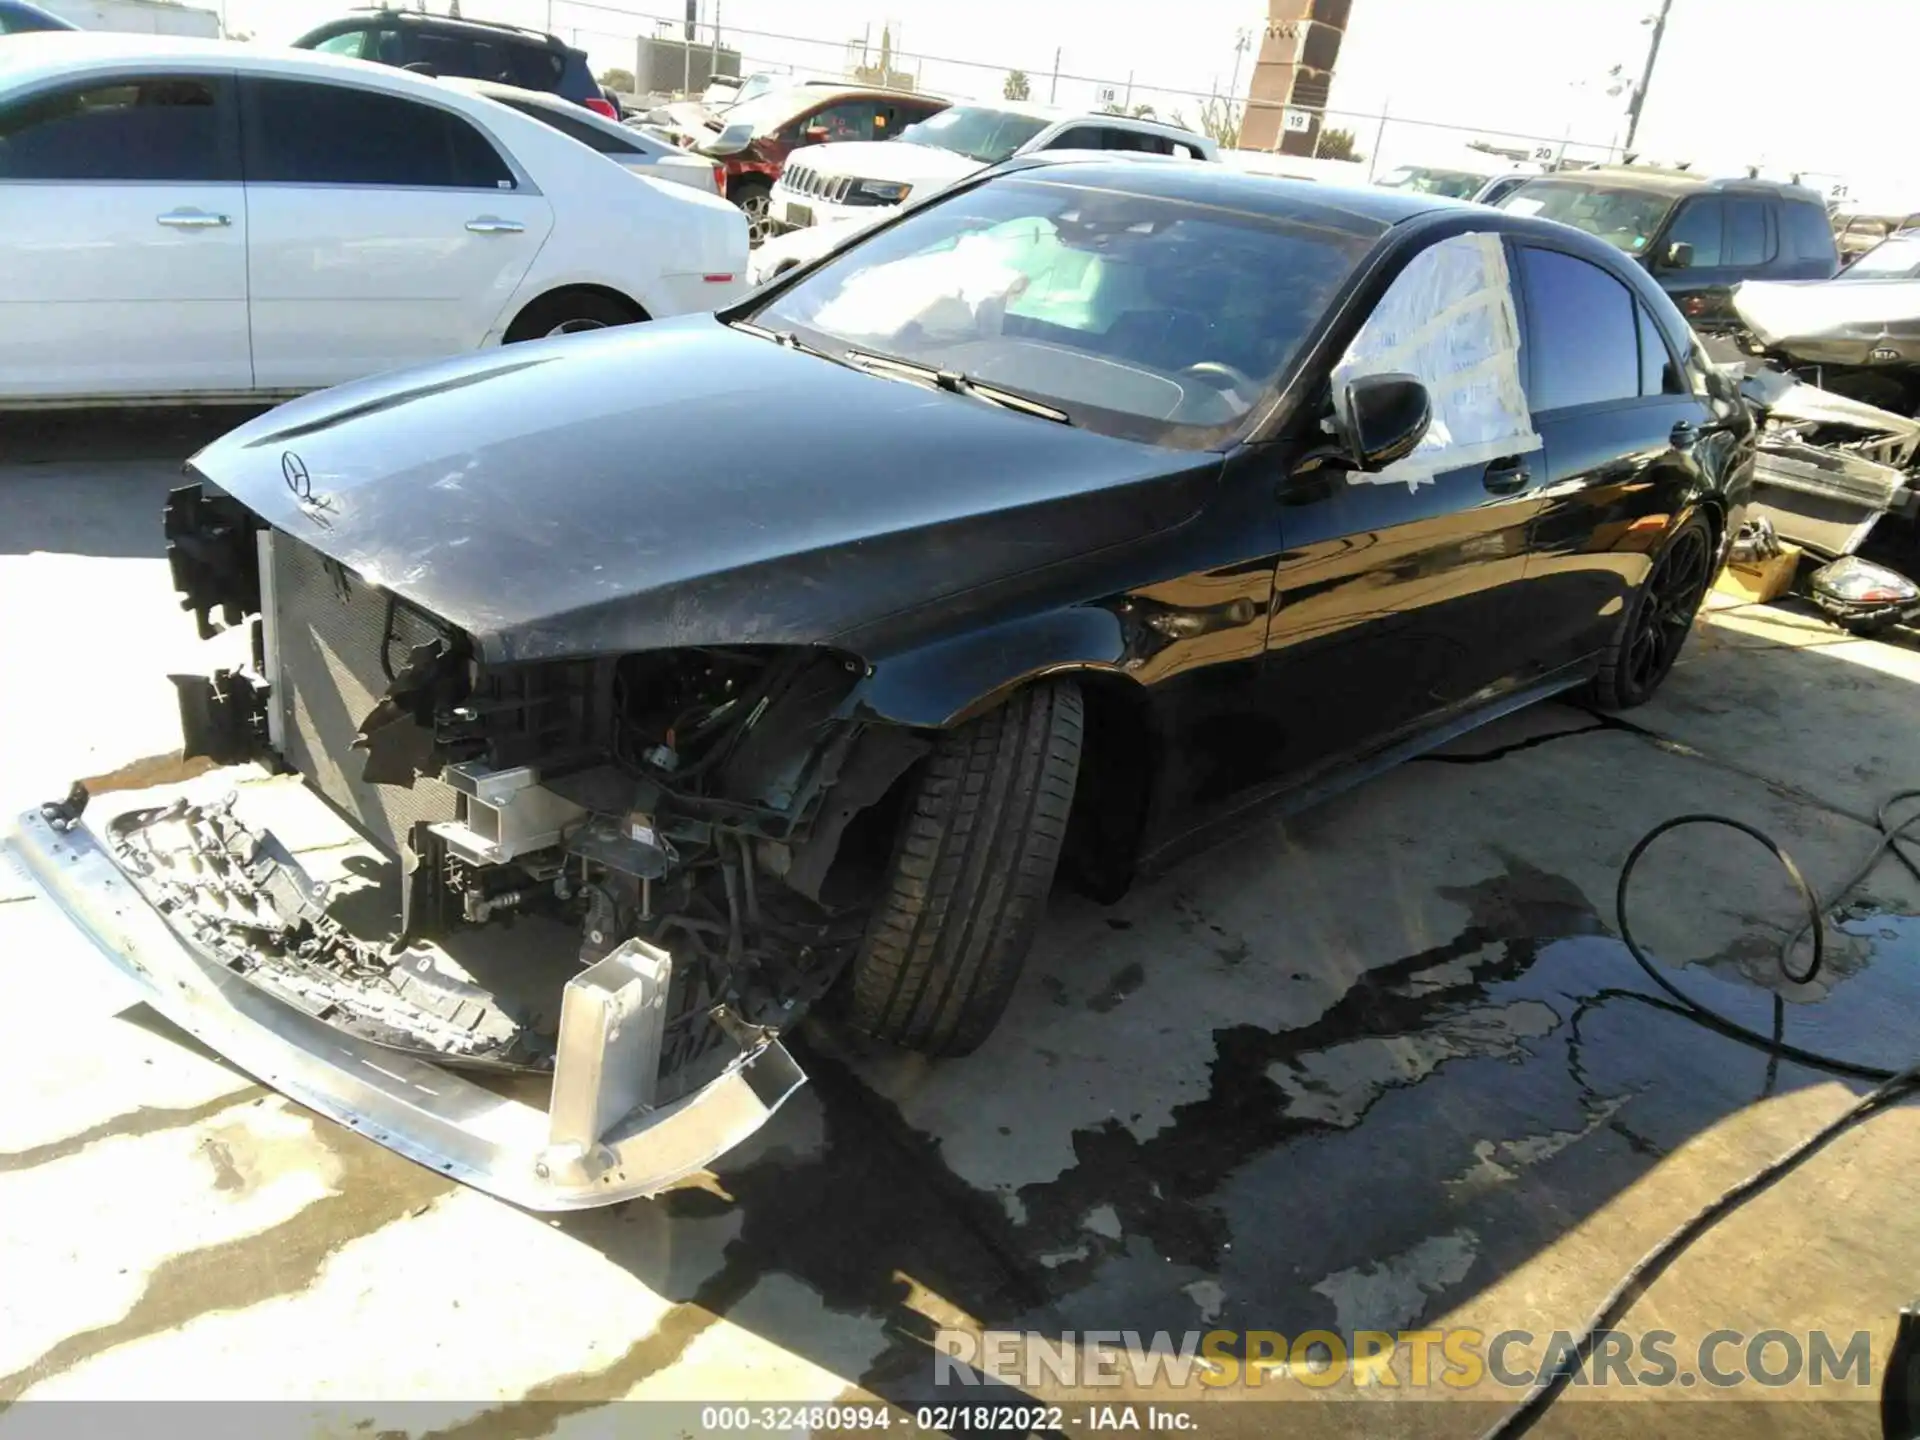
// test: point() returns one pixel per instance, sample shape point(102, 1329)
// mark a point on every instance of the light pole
point(1646, 75)
point(1241, 40)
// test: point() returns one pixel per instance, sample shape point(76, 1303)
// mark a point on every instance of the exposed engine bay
point(682, 811)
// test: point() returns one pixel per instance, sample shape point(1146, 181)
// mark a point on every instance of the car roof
point(813, 90)
point(58, 54)
point(418, 20)
point(1683, 182)
point(1033, 108)
point(1058, 114)
point(25, 10)
point(1366, 210)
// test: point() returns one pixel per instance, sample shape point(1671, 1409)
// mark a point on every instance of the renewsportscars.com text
point(1459, 1358)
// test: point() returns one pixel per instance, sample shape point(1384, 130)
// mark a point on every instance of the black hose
point(1896, 1085)
point(1890, 835)
point(1654, 1263)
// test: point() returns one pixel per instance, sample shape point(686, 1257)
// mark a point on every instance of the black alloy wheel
point(1658, 621)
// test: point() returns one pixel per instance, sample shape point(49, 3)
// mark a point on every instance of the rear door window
point(1138, 141)
point(347, 42)
point(490, 63)
point(1745, 242)
point(1080, 137)
point(1699, 224)
point(448, 54)
point(1581, 325)
point(534, 67)
point(1807, 233)
point(1658, 374)
point(167, 127)
point(302, 133)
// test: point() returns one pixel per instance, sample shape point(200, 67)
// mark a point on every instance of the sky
point(1815, 86)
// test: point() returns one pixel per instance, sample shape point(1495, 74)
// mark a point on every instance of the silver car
point(622, 144)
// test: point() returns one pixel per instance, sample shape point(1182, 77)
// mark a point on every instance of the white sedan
point(199, 220)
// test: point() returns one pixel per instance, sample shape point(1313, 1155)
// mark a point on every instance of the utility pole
point(686, 47)
point(1053, 90)
point(1646, 75)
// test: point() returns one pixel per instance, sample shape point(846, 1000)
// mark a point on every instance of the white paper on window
point(1449, 321)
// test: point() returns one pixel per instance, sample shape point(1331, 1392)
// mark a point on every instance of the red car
point(753, 139)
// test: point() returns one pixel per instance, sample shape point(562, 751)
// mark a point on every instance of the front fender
point(945, 683)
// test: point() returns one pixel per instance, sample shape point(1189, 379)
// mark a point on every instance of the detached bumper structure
point(598, 1142)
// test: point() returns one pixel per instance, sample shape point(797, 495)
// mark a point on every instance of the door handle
point(1682, 436)
point(192, 220)
point(494, 225)
point(1506, 477)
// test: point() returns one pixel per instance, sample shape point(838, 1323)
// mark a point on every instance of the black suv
point(1698, 237)
point(477, 49)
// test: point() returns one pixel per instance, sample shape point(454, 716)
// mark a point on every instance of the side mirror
point(1381, 418)
point(1679, 255)
point(814, 134)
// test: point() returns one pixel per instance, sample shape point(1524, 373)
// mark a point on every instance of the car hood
point(807, 244)
point(1834, 322)
point(683, 483)
point(899, 160)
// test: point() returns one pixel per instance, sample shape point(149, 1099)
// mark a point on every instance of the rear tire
point(567, 312)
point(970, 873)
point(1658, 619)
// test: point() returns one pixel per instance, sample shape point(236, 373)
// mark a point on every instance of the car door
point(1397, 594)
point(1620, 424)
point(385, 231)
point(1732, 238)
point(124, 243)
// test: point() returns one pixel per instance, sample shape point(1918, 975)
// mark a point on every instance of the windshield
point(753, 89)
point(1896, 258)
point(977, 131)
point(1459, 184)
point(1136, 315)
point(1625, 219)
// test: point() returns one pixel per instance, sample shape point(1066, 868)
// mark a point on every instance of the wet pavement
point(1384, 1065)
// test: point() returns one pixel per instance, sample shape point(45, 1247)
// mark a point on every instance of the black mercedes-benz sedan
point(787, 655)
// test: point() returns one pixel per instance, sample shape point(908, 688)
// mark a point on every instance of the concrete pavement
point(1379, 1066)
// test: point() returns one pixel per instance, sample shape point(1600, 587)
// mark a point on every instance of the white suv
point(825, 184)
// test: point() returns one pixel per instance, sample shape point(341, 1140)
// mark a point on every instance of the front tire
point(754, 199)
point(1658, 620)
point(970, 873)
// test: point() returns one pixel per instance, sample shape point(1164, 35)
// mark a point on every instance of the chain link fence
point(1372, 144)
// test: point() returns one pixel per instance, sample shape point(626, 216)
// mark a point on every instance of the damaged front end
point(668, 825)
point(1830, 468)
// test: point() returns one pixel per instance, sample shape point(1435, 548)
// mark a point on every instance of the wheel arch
point(579, 287)
point(944, 685)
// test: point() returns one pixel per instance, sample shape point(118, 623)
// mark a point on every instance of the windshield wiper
point(788, 339)
point(957, 383)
